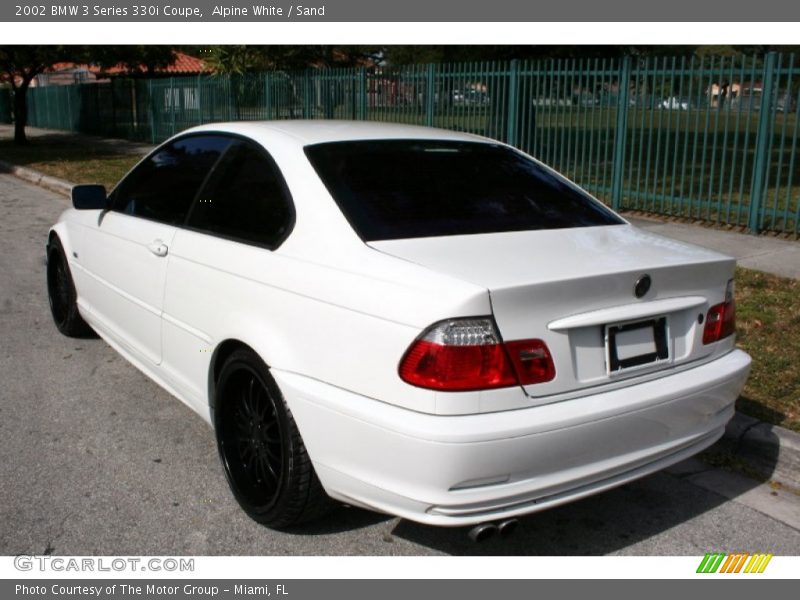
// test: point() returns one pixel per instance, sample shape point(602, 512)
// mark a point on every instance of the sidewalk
point(36, 133)
point(761, 253)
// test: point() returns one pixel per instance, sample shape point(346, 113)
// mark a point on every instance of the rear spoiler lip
point(627, 312)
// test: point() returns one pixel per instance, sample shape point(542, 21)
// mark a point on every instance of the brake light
point(467, 354)
point(721, 318)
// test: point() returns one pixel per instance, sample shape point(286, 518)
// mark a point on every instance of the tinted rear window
point(394, 189)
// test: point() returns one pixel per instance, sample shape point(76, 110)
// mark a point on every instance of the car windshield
point(395, 189)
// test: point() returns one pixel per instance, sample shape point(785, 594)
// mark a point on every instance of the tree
point(137, 60)
point(413, 54)
point(239, 59)
point(19, 66)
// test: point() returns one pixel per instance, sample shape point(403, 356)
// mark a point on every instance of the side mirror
point(89, 197)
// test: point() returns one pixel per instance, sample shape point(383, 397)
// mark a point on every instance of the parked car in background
point(552, 101)
point(470, 97)
point(676, 103)
point(420, 322)
point(747, 101)
point(786, 102)
point(476, 98)
point(586, 99)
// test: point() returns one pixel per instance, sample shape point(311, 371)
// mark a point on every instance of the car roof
point(318, 131)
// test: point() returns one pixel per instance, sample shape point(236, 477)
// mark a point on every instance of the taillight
point(532, 361)
point(721, 318)
point(467, 354)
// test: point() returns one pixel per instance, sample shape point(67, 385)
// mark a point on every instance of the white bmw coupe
point(421, 322)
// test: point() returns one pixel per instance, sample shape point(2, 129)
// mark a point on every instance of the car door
point(125, 255)
point(243, 212)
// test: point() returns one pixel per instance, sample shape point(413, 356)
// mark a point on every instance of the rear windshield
point(395, 189)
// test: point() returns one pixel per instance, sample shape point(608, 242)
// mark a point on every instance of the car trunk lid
point(574, 289)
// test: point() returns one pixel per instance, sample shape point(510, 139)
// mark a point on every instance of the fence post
point(96, 104)
point(360, 100)
point(135, 107)
point(59, 124)
point(113, 109)
point(197, 99)
point(430, 95)
point(268, 95)
point(47, 108)
point(172, 101)
point(69, 109)
point(513, 104)
point(764, 130)
point(618, 165)
point(229, 95)
point(365, 95)
point(307, 94)
point(151, 103)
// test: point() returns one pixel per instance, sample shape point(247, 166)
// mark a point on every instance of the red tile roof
point(183, 64)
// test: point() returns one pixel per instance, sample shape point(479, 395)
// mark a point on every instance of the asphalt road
point(97, 459)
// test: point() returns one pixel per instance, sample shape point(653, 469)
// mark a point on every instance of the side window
point(245, 198)
point(162, 188)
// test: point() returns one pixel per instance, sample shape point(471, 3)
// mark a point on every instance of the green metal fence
point(712, 138)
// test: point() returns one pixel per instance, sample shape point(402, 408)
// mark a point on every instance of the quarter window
point(245, 198)
point(163, 186)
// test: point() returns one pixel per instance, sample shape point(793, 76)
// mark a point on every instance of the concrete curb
point(767, 450)
point(54, 184)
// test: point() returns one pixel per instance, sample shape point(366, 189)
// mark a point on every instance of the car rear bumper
point(461, 470)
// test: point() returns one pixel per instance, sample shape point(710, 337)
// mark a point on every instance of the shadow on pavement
point(342, 518)
point(598, 525)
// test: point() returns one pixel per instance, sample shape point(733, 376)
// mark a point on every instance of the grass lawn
point(767, 319)
point(79, 163)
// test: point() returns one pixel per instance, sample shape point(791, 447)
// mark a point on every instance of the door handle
point(158, 248)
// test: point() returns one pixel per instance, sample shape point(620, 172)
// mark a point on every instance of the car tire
point(62, 295)
point(263, 455)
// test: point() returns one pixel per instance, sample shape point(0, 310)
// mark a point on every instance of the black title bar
point(408, 10)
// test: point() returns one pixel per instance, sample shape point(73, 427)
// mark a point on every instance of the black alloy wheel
point(62, 295)
point(262, 453)
point(252, 439)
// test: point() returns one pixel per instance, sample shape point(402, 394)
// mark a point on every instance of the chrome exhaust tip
point(482, 532)
point(507, 527)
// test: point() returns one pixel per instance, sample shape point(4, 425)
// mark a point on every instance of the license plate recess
point(638, 344)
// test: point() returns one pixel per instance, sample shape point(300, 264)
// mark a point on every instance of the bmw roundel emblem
point(642, 286)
